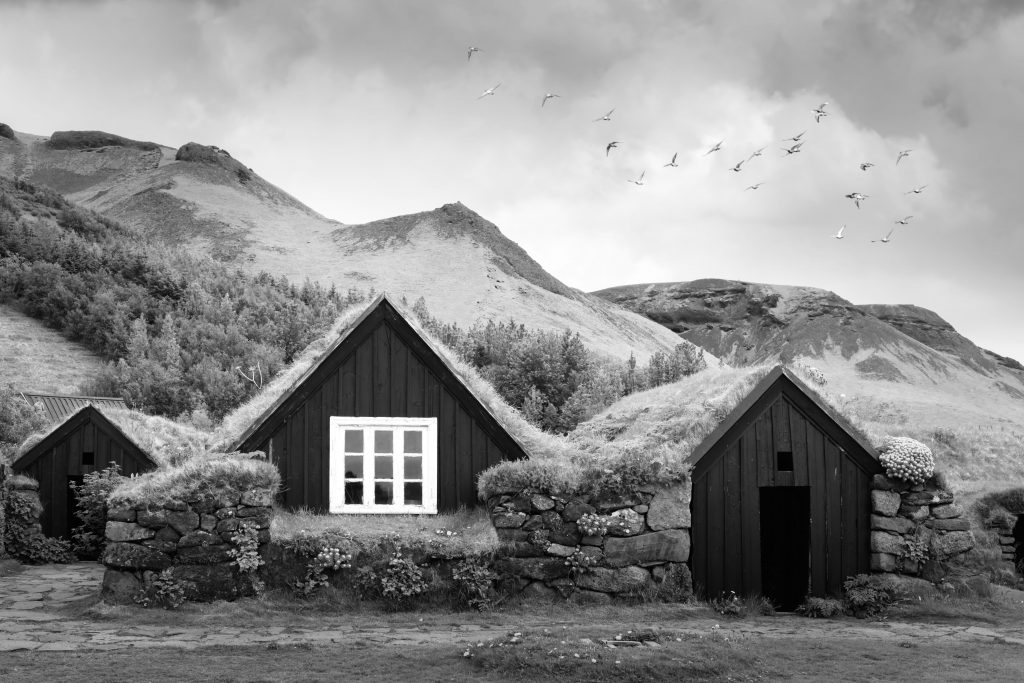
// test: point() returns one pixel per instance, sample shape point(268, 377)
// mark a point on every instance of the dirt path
point(32, 600)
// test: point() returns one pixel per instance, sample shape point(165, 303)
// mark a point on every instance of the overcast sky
point(365, 110)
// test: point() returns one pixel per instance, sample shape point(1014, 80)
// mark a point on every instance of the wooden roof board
point(58, 406)
point(433, 358)
point(84, 414)
point(781, 380)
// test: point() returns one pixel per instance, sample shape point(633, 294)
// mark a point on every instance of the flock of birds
point(820, 112)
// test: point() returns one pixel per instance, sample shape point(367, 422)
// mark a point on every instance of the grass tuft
point(198, 476)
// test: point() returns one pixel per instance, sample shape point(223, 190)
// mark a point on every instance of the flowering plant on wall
point(907, 459)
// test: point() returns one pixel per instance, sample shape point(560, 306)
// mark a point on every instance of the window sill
point(383, 510)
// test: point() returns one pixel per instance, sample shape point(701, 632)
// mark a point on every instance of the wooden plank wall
point(726, 550)
point(382, 377)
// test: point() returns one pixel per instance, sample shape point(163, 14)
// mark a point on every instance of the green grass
point(205, 474)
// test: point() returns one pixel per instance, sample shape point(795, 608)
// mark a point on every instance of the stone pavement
point(31, 619)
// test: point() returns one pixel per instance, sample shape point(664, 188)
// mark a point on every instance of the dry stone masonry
point(915, 529)
point(550, 547)
point(192, 538)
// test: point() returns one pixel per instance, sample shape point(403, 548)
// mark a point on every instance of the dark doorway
point(785, 544)
point(72, 508)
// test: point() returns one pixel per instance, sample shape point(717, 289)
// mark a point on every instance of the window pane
point(383, 467)
point(383, 493)
point(383, 440)
point(413, 467)
point(353, 492)
point(413, 442)
point(353, 440)
point(413, 493)
point(353, 466)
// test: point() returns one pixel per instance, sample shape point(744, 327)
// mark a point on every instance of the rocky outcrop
point(94, 139)
point(6, 131)
point(213, 156)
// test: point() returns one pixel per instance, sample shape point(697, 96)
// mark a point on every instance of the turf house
point(83, 442)
point(381, 422)
point(781, 500)
point(59, 406)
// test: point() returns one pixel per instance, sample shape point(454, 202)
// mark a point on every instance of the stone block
point(670, 508)
point(672, 545)
point(897, 525)
point(642, 509)
point(207, 522)
point(951, 543)
point(541, 502)
point(209, 582)
point(566, 533)
point(592, 540)
point(155, 517)
point(199, 538)
point(120, 586)
point(134, 556)
point(168, 534)
point(880, 482)
point(885, 503)
point(609, 502)
point(121, 513)
point(520, 503)
point(915, 513)
point(928, 498)
point(594, 553)
point(259, 497)
point(624, 580)
point(508, 520)
point(537, 568)
point(183, 522)
point(538, 592)
point(227, 525)
point(163, 546)
point(118, 532)
point(949, 524)
point(575, 509)
point(625, 522)
point(947, 511)
point(258, 518)
point(224, 513)
point(176, 505)
point(504, 534)
point(533, 522)
point(883, 562)
point(212, 554)
point(521, 549)
point(884, 542)
point(559, 550)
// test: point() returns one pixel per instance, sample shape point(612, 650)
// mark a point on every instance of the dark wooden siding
point(383, 369)
point(55, 460)
point(726, 533)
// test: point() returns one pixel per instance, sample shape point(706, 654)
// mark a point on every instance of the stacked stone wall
point(917, 530)
point(19, 495)
point(545, 554)
point(192, 539)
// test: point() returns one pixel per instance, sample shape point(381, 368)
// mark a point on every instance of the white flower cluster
point(907, 459)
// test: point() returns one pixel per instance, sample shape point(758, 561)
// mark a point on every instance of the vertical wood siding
point(726, 548)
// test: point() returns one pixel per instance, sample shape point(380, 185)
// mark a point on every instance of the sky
point(365, 110)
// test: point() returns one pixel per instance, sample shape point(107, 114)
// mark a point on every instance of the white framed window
point(383, 465)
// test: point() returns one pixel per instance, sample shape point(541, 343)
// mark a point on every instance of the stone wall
point(1007, 542)
point(644, 550)
point(20, 506)
point(192, 539)
point(916, 530)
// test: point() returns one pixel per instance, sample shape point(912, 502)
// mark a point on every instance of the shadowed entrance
point(785, 544)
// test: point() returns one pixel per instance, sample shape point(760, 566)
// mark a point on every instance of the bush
point(18, 419)
point(23, 540)
point(474, 579)
point(820, 608)
point(869, 596)
point(165, 591)
point(401, 581)
point(91, 508)
point(907, 459)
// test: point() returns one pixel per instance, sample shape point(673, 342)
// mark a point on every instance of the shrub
point(733, 605)
point(907, 459)
point(165, 591)
point(474, 579)
point(325, 552)
point(868, 596)
point(23, 541)
point(820, 608)
point(91, 507)
point(401, 581)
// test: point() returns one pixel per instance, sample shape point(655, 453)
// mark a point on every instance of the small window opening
point(784, 461)
point(88, 458)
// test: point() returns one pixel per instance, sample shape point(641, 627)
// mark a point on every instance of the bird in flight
point(610, 147)
point(638, 181)
point(756, 154)
point(673, 163)
point(916, 190)
point(820, 112)
point(902, 154)
point(717, 146)
point(755, 186)
point(904, 220)
point(470, 51)
point(489, 91)
point(839, 235)
point(548, 97)
point(857, 198)
point(606, 117)
point(887, 237)
point(795, 138)
point(866, 165)
point(737, 168)
point(794, 149)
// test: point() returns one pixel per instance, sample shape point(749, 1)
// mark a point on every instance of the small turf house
point(383, 422)
point(781, 497)
point(85, 441)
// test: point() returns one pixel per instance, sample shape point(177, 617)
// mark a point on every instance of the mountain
point(202, 198)
point(898, 364)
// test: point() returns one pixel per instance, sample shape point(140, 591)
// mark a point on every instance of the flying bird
point(717, 146)
point(904, 220)
point(820, 112)
point(606, 117)
point(857, 198)
point(755, 186)
point(756, 154)
point(610, 147)
point(470, 51)
point(794, 149)
point(839, 235)
point(489, 91)
point(673, 163)
point(916, 190)
point(904, 153)
point(887, 237)
point(548, 97)
point(795, 138)
point(638, 181)
point(737, 168)
point(866, 165)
